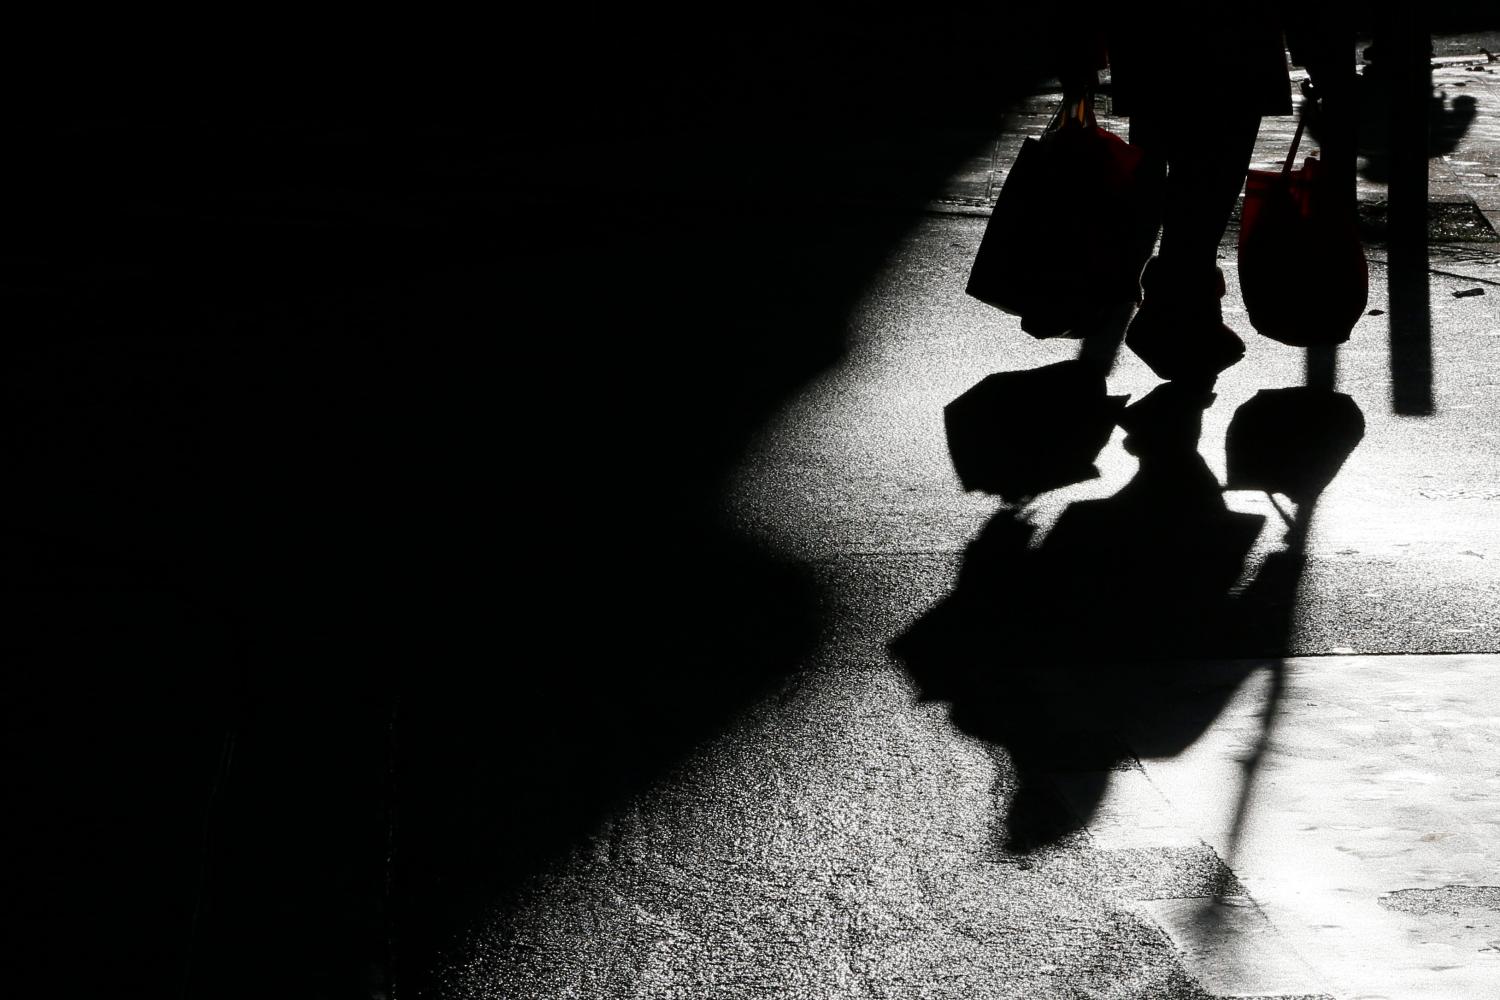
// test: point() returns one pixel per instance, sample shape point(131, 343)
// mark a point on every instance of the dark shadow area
point(367, 403)
point(1076, 653)
point(1410, 325)
point(1322, 365)
point(1407, 80)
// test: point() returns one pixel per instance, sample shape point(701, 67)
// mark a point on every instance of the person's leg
point(1179, 331)
point(1103, 333)
point(1206, 170)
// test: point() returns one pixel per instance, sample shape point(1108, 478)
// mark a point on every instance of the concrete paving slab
point(1370, 842)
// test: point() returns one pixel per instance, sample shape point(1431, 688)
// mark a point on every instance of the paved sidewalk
point(842, 842)
point(846, 839)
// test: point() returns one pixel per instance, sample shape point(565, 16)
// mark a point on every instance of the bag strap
point(1291, 157)
point(1069, 114)
point(1291, 154)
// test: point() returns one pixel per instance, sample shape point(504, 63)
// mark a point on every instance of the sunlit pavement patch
point(1370, 839)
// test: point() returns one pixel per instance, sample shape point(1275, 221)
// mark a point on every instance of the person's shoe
point(1179, 330)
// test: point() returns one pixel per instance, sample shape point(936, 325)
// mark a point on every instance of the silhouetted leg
point(1100, 341)
point(1205, 171)
point(1179, 331)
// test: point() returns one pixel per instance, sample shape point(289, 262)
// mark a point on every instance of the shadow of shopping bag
point(1073, 227)
point(1303, 273)
point(1022, 433)
point(1292, 441)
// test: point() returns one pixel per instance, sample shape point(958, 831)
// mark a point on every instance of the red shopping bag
point(1303, 273)
point(1073, 227)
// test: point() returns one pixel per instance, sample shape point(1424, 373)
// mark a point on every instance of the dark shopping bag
point(1303, 273)
point(1072, 228)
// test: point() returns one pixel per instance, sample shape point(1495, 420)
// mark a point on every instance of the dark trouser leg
point(1179, 331)
point(1205, 171)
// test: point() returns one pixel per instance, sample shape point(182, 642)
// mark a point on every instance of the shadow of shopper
point(1081, 653)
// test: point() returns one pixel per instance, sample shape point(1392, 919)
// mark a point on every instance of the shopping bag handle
point(1291, 156)
point(1079, 112)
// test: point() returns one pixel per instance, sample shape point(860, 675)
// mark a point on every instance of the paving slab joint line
point(1467, 654)
point(1281, 938)
point(1198, 959)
